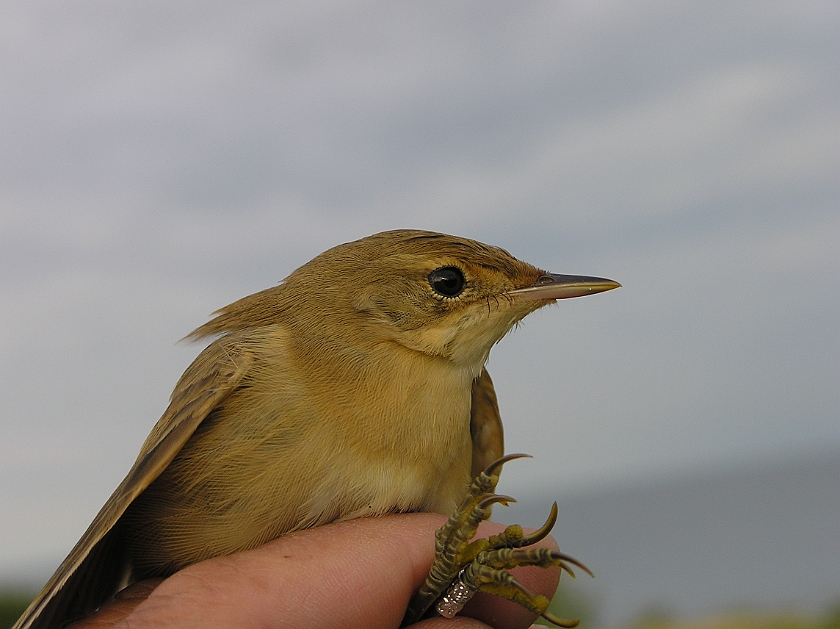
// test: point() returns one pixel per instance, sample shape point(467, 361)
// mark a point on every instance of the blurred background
point(159, 160)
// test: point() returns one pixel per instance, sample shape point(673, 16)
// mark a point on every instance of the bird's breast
point(287, 451)
point(407, 434)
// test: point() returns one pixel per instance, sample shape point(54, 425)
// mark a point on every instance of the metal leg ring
point(455, 598)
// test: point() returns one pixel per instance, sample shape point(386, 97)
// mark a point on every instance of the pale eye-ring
point(447, 281)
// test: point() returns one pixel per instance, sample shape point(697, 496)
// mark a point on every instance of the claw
point(574, 562)
point(495, 466)
point(542, 532)
point(560, 622)
point(495, 499)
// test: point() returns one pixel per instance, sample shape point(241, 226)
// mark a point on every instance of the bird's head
point(432, 293)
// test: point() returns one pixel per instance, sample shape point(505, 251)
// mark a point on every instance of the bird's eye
point(447, 281)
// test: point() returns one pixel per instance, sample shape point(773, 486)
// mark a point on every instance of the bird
point(355, 387)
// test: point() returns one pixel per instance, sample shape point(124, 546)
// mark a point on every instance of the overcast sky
point(159, 160)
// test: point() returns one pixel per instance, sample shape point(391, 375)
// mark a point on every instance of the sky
point(159, 160)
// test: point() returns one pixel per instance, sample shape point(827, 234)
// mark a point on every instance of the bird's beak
point(553, 286)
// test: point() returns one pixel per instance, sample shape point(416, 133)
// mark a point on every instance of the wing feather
point(97, 567)
point(485, 424)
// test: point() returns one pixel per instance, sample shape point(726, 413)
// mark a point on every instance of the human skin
point(356, 574)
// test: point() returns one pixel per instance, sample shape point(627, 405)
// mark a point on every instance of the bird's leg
point(463, 567)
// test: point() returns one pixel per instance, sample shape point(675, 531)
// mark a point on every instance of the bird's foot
point(463, 567)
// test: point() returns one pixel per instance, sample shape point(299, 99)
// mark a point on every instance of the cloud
point(161, 160)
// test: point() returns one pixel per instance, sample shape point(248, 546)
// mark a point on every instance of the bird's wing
point(94, 567)
point(485, 424)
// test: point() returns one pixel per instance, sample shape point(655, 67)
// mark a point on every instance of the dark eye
point(447, 281)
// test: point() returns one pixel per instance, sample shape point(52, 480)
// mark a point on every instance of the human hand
point(356, 574)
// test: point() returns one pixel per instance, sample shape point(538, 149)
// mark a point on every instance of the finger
point(360, 573)
point(119, 606)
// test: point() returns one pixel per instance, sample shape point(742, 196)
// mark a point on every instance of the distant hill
point(763, 537)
